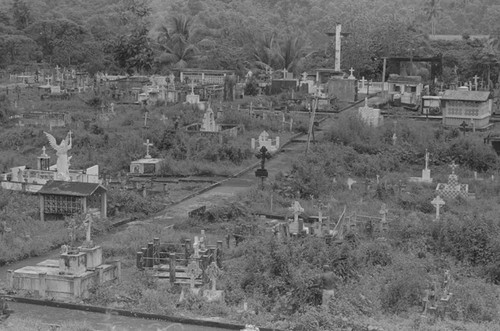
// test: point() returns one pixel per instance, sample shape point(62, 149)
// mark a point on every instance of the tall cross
point(147, 144)
point(88, 224)
point(426, 159)
point(43, 151)
point(263, 155)
point(363, 81)
point(475, 81)
point(453, 166)
point(437, 203)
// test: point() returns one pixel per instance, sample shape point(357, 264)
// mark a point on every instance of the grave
point(179, 263)
point(264, 140)
point(453, 189)
point(213, 273)
point(208, 123)
point(426, 172)
point(370, 116)
point(473, 107)
point(296, 227)
point(437, 202)
point(71, 276)
point(192, 98)
point(436, 300)
point(147, 165)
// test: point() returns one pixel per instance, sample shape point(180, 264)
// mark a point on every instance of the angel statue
point(62, 155)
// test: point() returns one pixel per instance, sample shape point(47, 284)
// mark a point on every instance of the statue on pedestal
point(62, 155)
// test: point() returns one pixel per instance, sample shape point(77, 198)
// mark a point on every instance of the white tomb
point(192, 98)
point(208, 124)
point(426, 172)
point(370, 116)
point(272, 145)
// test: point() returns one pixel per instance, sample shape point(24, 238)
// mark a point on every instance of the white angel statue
point(62, 155)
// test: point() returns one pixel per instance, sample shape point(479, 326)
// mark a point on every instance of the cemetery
point(214, 164)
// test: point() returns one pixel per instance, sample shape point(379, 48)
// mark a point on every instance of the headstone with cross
point(147, 144)
point(263, 155)
point(437, 203)
point(193, 271)
point(351, 76)
point(363, 81)
point(453, 188)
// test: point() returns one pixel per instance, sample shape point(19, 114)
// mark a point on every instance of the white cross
point(437, 203)
point(475, 81)
point(192, 87)
point(363, 81)
point(426, 159)
point(147, 144)
point(453, 166)
point(351, 70)
point(43, 151)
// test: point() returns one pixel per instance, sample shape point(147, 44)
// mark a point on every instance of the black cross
point(263, 155)
point(464, 126)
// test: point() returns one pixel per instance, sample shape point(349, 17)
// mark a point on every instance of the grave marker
point(437, 203)
point(193, 271)
point(262, 172)
point(147, 144)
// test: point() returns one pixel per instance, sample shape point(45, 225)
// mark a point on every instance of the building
point(470, 107)
point(407, 88)
point(61, 198)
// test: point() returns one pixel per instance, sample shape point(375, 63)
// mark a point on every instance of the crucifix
point(363, 81)
point(437, 203)
point(284, 73)
point(475, 81)
point(464, 126)
point(351, 71)
point(262, 172)
point(147, 144)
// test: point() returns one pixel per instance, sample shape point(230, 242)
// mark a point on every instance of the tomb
point(147, 165)
point(186, 263)
point(204, 76)
point(264, 140)
point(208, 124)
point(470, 107)
point(453, 189)
point(192, 98)
point(60, 198)
point(407, 89)
point(21, 178)
point(71, 276)
point(370, 116)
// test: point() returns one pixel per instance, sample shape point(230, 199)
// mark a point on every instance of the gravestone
point(369, 115)
point(193, 271)
point(437, 203)
point(426, 172)
point(147, 144)
point(297, 225)
point(192, 98)
point(213, 273)
point(453, 188)
point(208, 124)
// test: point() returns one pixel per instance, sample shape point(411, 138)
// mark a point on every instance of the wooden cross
point(437, 203)
point(147, 144)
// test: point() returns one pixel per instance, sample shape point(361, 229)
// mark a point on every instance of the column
point(42, 207)
point(104, 205)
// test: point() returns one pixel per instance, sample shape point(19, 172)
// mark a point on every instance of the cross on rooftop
point(147, 144)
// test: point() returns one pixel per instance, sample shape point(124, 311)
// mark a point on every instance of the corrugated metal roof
point(71, 188)
point(466, 95)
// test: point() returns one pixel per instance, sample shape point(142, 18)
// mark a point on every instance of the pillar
point(172, 268)
point(104, 205)
point(84, 205)
point(10, 274)
point(42, 207)
point(138, 261)
point(42, 277)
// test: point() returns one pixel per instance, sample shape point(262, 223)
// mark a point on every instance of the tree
point(433, 11)
point(16, 47)
point(134, 52)
point(175, 43)
point(265, 52)
point(21, 14)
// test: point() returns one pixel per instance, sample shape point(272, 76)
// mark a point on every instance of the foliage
point(131, 202)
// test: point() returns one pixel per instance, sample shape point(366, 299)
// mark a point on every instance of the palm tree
point(265, 52)
point(433, 11)
point(291, 53)
point(175, 42)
